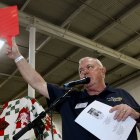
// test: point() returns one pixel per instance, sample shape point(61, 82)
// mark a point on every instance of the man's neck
point(97, 91)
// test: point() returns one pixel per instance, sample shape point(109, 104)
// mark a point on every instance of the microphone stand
point(37, 123)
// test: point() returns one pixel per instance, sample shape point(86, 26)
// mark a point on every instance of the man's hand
point(13, 52)
point(123, 111)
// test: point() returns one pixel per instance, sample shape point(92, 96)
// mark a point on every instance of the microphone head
point(87, 80)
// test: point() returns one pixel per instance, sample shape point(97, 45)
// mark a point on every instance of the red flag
point(9, 26)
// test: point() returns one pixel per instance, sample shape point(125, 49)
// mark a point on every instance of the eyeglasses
point(88, 67)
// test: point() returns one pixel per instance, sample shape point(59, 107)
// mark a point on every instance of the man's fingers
point(114, 108)
point(120, 115)
point(125, 116)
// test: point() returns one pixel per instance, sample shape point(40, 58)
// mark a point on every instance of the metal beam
point(8, 75)
point(75, 39)
point(25, 5)
point(3, 83)
point(32, 37)
point(133, 75)
point(131, 8)
point(49, 29)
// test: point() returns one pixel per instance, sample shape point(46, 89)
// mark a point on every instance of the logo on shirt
point(115, 99)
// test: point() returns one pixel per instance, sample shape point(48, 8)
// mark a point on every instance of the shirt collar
point(106, 91)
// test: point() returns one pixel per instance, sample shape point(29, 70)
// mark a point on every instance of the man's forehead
point(87, 62)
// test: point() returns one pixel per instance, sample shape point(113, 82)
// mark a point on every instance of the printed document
point(97, 119)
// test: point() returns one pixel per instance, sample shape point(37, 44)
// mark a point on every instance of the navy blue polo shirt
point(68, 110)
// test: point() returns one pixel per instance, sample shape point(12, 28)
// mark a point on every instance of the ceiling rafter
point(8, 75)
point(75, 39)
point(126, 79)
point(131, 39)
point(25, 5)
point(120, 17)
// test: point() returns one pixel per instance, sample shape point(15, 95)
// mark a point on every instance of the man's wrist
point(19, 58)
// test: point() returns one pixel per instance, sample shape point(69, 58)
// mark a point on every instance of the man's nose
point(86, 72)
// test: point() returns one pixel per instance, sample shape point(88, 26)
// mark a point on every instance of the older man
point(96, 89)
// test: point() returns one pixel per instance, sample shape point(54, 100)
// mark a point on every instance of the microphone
point(85, 80)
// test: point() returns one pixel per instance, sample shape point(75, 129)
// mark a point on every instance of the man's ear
point(104, 70)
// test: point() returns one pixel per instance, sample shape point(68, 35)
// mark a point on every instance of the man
point(96, 89)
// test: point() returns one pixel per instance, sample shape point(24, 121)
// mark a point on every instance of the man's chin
point(88, 86)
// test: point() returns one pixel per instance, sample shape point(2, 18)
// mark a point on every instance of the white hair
point(95, 59)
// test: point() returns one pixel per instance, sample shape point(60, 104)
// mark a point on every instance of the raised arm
point(29, 74)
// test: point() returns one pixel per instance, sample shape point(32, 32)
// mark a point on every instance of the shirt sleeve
point(55, 92)
point(129, 100)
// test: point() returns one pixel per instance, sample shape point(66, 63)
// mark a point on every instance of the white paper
point(97, 120)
